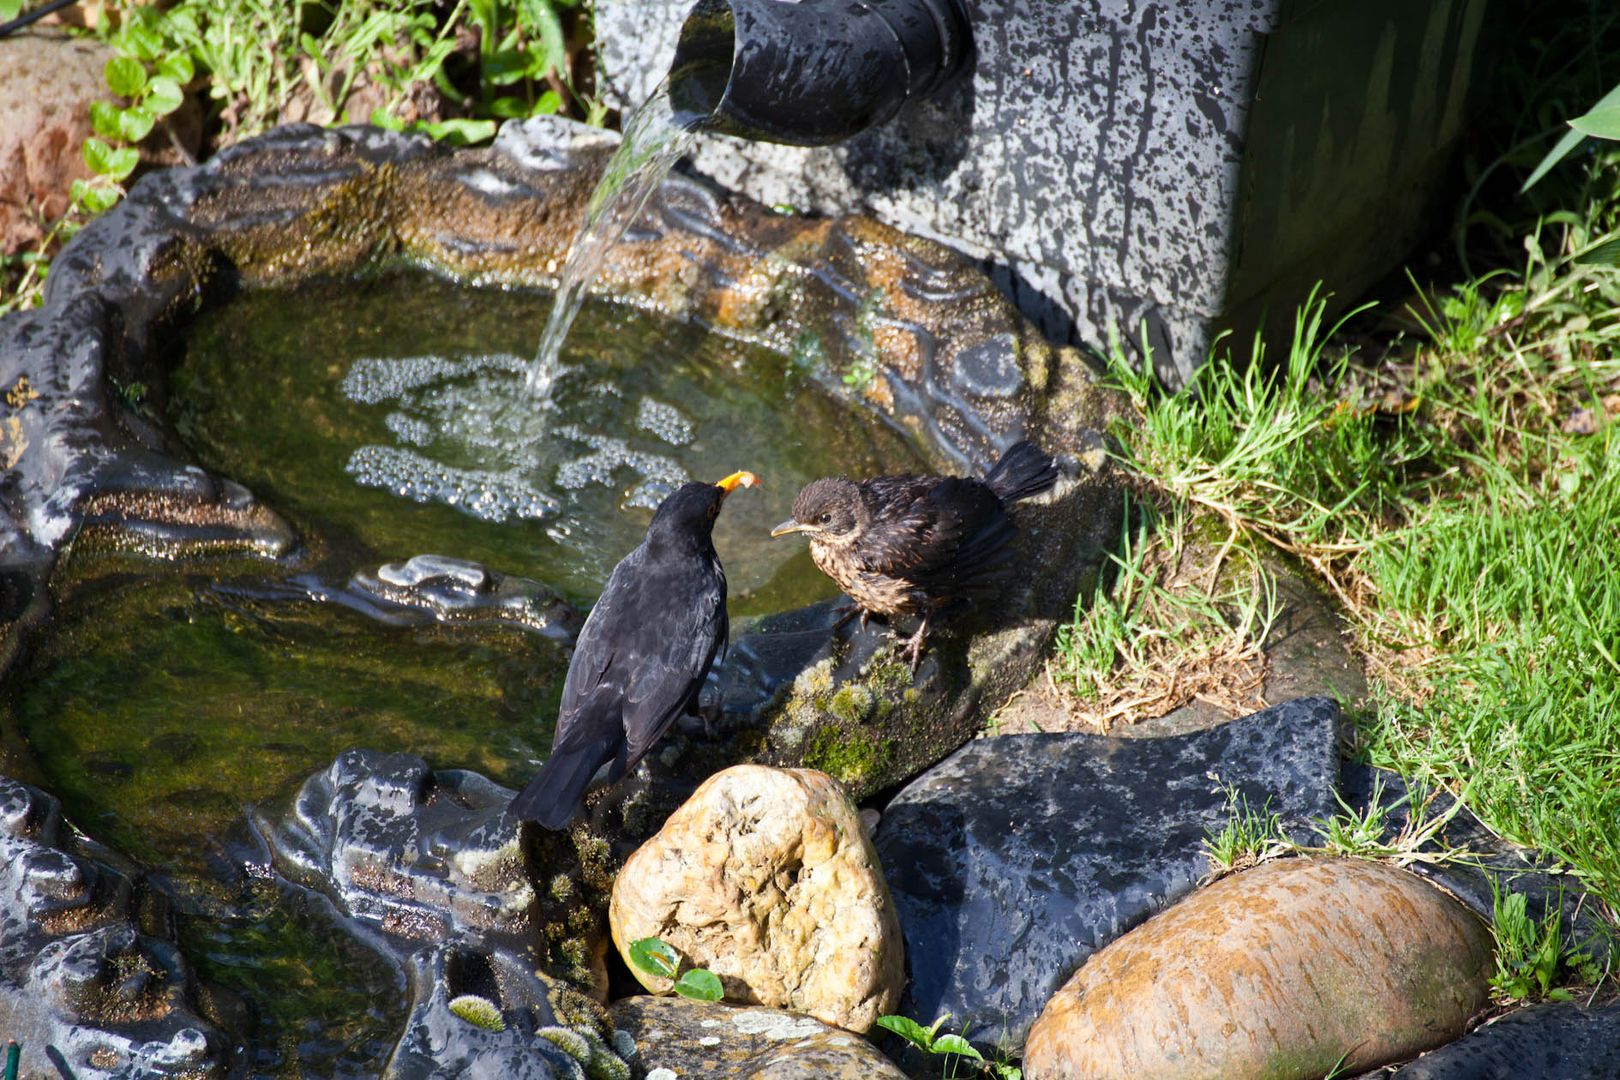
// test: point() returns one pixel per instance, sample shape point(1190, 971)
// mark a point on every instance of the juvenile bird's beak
point(737, 480)
point(792, 526)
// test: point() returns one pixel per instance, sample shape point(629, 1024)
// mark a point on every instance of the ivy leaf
point(909, 1030)
point(163, 95)
point(655, 957)
point(125, 76)
point(177, 66)
point(134, 124)
point(700, 984)
point(104, 119)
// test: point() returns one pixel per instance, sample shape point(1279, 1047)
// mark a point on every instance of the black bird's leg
point(847, 612)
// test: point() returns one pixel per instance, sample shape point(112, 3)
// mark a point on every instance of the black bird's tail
point(1024, 470)
point(551, 798)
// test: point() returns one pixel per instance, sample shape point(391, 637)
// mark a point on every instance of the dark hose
point(812, 72)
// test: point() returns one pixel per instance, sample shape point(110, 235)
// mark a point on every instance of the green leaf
point(141, 41)
point(163, 95)
point(1603, 255)
point(104, 119)
point(507, 66)
point(458, 132)
point(509, 107)
point(1570, 141)
point(700, 984)
point(10, 9)
point(94, 198)
point(125, 76)
point(654, 957)
point(550, 104)
point(134, 124)
point(909, 1030)
point(384, 119)
point(955, 1044)
point(1599, 123)
point(177, 66)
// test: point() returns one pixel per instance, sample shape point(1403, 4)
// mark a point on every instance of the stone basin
point(261, 639)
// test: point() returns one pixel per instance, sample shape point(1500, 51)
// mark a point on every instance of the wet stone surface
point(690, 1040)
point(91, 981)
point(232, 680)
point(1561, 1041)
point(1015, 859)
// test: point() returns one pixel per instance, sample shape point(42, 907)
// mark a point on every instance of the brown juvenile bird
point(642, 654)
point(918, 545)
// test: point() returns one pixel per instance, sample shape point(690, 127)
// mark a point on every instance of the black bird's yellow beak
point(792, 526)
point(737, 480)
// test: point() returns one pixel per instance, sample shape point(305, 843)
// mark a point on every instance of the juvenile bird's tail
point(1024, 470)
point(551, 798)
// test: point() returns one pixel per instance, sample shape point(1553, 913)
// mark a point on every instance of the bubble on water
point(608, 455)
point(410, 429)
point(371, 380)
point(664, 421)
point(491, 495)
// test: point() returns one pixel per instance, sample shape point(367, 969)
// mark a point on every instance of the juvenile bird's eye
point(825, 518)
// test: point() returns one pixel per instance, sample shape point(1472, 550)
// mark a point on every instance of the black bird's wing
point(643, 654)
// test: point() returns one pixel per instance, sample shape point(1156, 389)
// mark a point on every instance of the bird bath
point(271, 501)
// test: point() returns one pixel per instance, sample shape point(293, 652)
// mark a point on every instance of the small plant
point(656, 957)
point(478, 1011)
point(930, 1041)
point(1531, 960)
point(148, 93)
point(1250, 836)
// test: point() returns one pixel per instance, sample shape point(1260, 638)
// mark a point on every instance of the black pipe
point(812, 72)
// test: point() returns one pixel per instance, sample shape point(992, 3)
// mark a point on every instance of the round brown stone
point(1292, 969)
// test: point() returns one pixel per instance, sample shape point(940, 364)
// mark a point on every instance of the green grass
point(1471, 536)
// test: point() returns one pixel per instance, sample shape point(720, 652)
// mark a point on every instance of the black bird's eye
point(826, 519)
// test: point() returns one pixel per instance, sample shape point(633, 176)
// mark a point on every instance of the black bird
point(642, 654)
point(918, 545)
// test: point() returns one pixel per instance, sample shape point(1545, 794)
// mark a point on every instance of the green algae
point(852, 756)
point(158, 710)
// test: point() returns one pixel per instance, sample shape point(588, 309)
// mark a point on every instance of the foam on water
point(490, 496)
point(664, 421)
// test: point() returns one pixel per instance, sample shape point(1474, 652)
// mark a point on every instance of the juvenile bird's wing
point(949, 536)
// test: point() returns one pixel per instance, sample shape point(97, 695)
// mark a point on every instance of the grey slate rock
point(1016, 858)
point(1546, 1042)
point(89, 974)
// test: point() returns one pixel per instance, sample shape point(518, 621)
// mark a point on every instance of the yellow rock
point(766, 877)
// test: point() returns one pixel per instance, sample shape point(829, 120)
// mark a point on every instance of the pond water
point(166, 701)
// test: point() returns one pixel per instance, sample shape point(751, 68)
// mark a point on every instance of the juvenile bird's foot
point(914, 645)
point(847, 612)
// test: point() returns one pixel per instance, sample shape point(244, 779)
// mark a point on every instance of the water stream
point(654, 139)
